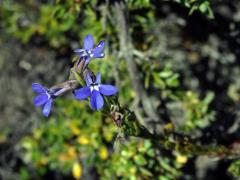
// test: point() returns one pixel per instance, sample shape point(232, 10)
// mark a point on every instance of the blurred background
point(184, 54)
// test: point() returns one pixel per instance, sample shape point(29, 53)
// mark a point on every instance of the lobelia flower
point(45, 97)
point(89, 51)
point(95, 90)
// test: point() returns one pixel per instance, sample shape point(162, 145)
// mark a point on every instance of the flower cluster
point(93, 89)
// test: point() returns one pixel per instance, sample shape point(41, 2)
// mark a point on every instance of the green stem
point(170, 140)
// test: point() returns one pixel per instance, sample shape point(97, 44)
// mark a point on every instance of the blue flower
point(89, 51)
point(95, 90)
point(45, 97)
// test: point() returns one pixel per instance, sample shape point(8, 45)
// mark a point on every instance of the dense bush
point(175, 64)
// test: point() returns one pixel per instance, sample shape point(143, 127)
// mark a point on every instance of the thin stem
point(126, 50)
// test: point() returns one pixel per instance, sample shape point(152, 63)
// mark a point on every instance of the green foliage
point(52, 21)
point(59, 142)
point(132, 4)
point(75, 137)
point(196, 112)
point(202, 6)
point(166, 81)
point(198, 5)
point(138, 159)
point(234, 168)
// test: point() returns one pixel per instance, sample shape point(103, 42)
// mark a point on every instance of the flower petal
point(40, 99)
point(98, 78)
point(88, 42)
point(99, 48)
point(80, 52)
point(47, 108)
point(96, 100)
point(38, 88)
point(107, 90)
point(82, 93)
point(97, 55)
point(88, 79)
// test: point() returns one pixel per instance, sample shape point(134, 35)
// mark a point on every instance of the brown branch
point(126, 51)
point(170, 140)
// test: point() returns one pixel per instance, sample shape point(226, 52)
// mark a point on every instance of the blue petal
point(47, 108)
point(88, 42)
point(82, 93)
point(107, 90)
point(98, 78)
point(99, 48)
point(38, 88)
point(88, 79)
point(79, 52)
point(40, 99)
point(96, 100)
point(97, 55)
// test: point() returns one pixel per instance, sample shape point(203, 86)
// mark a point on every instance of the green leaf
point(147, 80)
point(158, 82)
point(234, 168)
point(146, 172)
point(24, 174)
point(147, 144)
point(140, 160)
point(151, 152)
point(77, 76)
point(208, 99)
point(165, 74)
point(173, 81)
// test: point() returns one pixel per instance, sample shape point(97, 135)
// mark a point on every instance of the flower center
point(89, 53)
point(49, 93)
point(86, 53)
point(94, 87)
